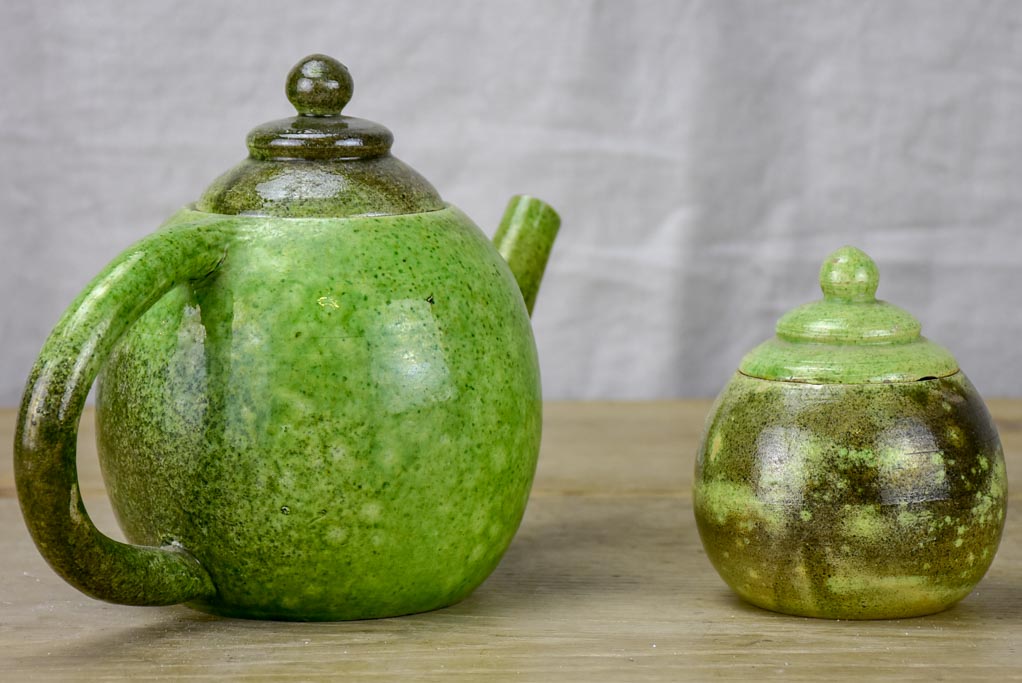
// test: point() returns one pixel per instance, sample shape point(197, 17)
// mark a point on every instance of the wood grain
point(606, 581)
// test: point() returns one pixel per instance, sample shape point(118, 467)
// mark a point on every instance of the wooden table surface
point(605, 581)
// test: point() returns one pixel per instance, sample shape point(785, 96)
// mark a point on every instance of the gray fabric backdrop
point(705, 156)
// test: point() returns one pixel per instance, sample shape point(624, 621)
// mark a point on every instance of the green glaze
point(312, 418)
point(46, 436)
point(525, 238)
point(361, 398)
point(320, 163)
point(289, 188)
point(849, 336)
point(332, 418)
point(854, 501)
point(849, 469)
point(319, 86)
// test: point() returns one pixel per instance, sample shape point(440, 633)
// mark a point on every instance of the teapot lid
point(848, 337)
point(320, 162)
point(319, 87)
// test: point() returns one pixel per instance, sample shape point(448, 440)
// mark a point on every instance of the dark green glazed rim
point(849, 336)
point(320, 163)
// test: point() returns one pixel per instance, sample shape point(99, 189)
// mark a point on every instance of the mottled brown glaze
point(851, 501)
point(849, 469)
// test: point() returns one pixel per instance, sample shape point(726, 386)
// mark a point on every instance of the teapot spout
point(524, 238)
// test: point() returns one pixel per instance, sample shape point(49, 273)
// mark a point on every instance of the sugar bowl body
point(849, 469)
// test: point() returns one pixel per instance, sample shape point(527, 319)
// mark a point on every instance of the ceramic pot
point(319, 394)
point(849, 469)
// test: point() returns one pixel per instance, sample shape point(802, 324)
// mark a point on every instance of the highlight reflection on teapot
point(318, 393)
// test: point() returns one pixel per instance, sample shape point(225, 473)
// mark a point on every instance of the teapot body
point(850, 501)
point(341, 421)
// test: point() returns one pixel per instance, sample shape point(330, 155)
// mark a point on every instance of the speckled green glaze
point(850, 501)
point(849, 470)
point(335, 419)
point(378, 186)
point(361, 399)
point(46, 438)
point(848, 336)
point(525, 239)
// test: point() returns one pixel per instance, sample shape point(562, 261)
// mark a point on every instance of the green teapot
point(849, 469)
point(318, 392)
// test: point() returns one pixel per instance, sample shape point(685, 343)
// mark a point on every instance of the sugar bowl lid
point(848, 337)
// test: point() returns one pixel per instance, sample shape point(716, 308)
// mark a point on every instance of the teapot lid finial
point(319, 86)
point(320, 163)
point(849, 336)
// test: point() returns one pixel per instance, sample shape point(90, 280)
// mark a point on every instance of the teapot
point(318, 389)
point(849, 469)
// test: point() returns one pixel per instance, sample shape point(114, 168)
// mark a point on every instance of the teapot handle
point(46, 438)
